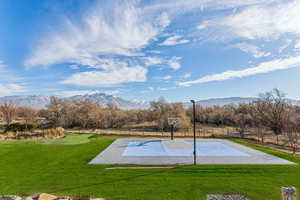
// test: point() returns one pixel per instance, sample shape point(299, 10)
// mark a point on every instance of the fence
point(202, 132)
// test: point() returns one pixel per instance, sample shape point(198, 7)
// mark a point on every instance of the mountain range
point(40, 101)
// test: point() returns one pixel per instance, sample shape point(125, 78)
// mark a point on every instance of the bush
point(46, 125)
point(18, 127)
point(53, 132)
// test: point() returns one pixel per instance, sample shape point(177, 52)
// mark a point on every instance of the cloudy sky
point(179, 49)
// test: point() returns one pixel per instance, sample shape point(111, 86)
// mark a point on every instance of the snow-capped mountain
point(104, 99)
point(33, 101)
point(39, 101)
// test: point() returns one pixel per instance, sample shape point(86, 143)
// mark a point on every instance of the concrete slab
point(166, 152)
point(177, 144)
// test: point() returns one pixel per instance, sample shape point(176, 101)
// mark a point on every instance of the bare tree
point(161, 110)
point(273, 114)
point(242, 118)
point(28, 114)
point(257, 113)
point(8, 110)
point(293, 128)
point(55, 111)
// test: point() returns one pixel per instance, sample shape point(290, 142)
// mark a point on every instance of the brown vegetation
point(8, 111)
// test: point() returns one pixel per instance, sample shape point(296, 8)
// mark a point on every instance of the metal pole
point(172, 132)
point(194, 128)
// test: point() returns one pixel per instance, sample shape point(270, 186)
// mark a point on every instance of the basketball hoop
point(173, 121)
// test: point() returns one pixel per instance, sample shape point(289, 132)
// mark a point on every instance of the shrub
point(18, 127)
point(46, 125)
point(54, 132)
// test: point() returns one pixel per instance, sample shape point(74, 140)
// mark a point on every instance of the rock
point(64, 198)
point(10, 197)
point(97, 199)
point(2, 137)
point(10, 134)
point(45, 196)
point(289, 193)
point(33, 197)
point(226, 197)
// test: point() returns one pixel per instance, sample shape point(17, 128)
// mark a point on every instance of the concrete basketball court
point(180, 151)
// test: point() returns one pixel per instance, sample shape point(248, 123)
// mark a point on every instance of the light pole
point(194, 129)
point(172, 131)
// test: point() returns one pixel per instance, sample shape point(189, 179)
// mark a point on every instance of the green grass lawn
point(73, 139)
point(31, 167)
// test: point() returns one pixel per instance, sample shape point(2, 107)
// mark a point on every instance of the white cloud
point(265, 67)
point(151, 88)
point(149, 61)
point(174, 62)
point(70, 93)
point(164, 20)
point(103, 63)
point(108, 77)
point(8, 85)
point(163, 89)
point(74, 67)
point(2, 69)
point(11, 89)
point(180, 6)
point(287, 43)
point(154, 51)
point(252, 49)
point(167, 77)
point(2, 64)
point(120, 29)
point(186, 75)
point(202, 26)
point(174, 40)
point(166, 88)
point(297, 45)
point(6, 74)
point(264, 21)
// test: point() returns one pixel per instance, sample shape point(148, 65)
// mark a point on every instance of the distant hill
point(225, 101)
point(103, 100)
point(231, 101)
point(40, 101)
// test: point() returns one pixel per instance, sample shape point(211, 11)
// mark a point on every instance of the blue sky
point(179, 49)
